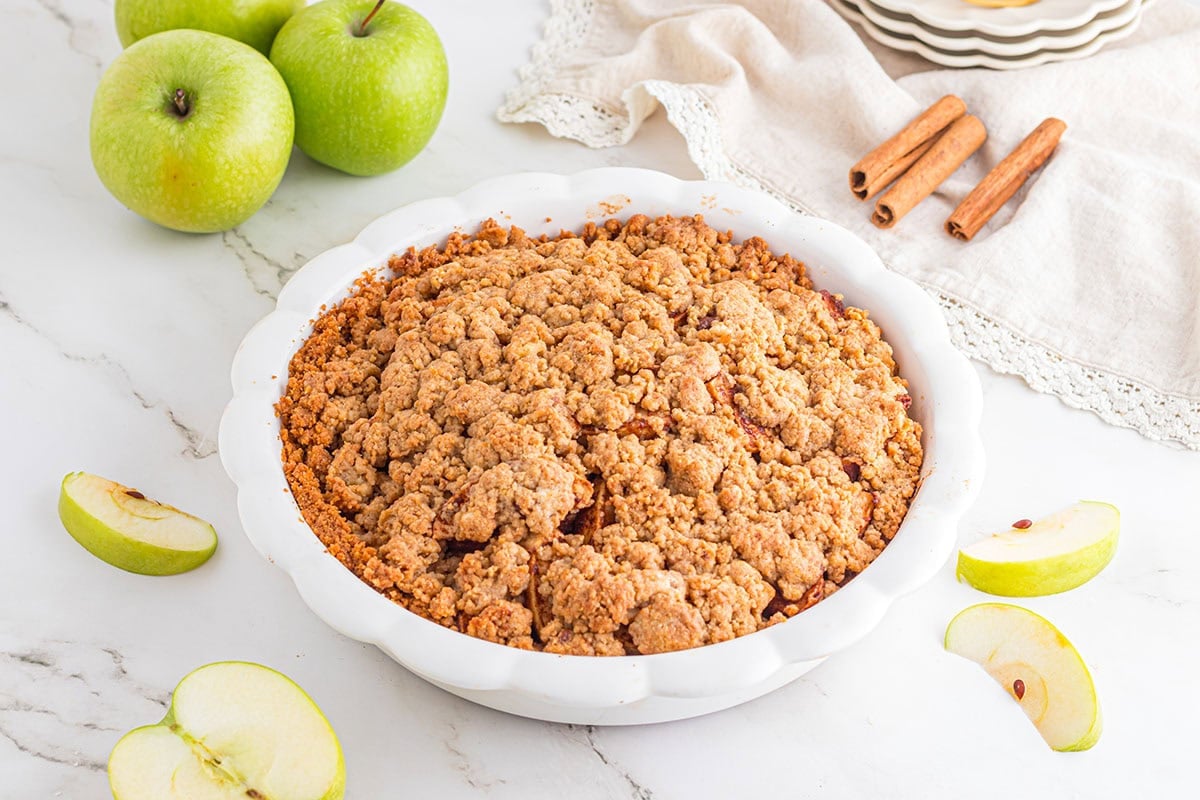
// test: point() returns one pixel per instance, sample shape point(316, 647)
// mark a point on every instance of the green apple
point(254, 22)
point(368, 81)
point(1054, 554)
point(191, 130)
point(234, 730)
point(1036, 665)
point(128, 530)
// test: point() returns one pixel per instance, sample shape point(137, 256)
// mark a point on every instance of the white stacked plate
point(956, 33)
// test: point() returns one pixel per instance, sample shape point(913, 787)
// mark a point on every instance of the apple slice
point(123, 527)
point(1054, 554)
point(1036, 665)
point(235, 730)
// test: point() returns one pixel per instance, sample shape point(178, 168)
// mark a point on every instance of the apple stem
point(362, 29)
point(181, 103)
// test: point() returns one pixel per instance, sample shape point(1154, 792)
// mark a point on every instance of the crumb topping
point(639, 438)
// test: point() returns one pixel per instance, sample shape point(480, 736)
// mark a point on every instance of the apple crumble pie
point(637, 438)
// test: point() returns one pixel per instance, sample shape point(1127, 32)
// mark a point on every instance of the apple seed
point(1019, 688)
point(1022, 524)
point(135, 494)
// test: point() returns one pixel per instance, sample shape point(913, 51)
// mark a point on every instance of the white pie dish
point(633, 689)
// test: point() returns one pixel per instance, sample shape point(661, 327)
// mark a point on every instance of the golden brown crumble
point(639, 438)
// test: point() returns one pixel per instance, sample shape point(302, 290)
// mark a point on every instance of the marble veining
point(265, 274)
point(197, 444)
point(62, 701)
point(115, 343)
point(637, 790)
point(86, 25)
point(461, 762)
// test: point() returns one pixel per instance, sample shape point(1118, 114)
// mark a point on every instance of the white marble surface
point(115, 341)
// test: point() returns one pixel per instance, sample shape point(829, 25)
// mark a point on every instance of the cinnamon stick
point(1003, 181)
point(887, 162)
point(964, 136)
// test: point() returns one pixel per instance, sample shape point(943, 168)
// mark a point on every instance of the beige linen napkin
point(1087, 284)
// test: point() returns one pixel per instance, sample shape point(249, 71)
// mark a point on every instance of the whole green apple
point(191, 130)
point(254, 22)
point(368, 81)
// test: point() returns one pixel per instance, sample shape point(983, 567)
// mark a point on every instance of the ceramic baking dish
point(631, 689)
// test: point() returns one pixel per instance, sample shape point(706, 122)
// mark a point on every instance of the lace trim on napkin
point(1115, 399)
point(563, 115)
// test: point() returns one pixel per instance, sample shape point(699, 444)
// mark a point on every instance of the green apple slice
point(1036, 665)
point(122, 526)
point(1054, 554)
point(235, 730)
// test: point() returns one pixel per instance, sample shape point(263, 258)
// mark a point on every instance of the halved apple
point(123, 527)
point(1036, 665)
point(235, 730)
point(1054, 554)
